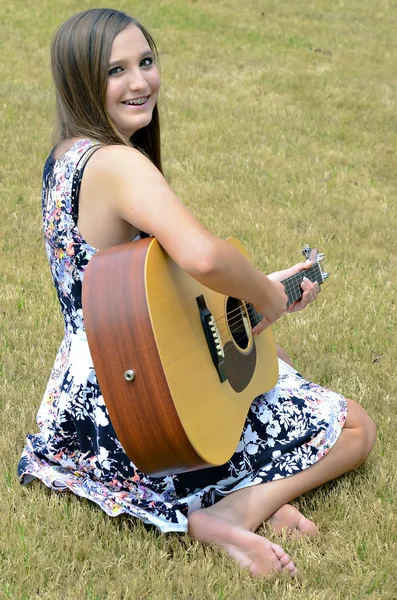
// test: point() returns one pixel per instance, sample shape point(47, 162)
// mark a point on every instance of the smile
point(136, 101)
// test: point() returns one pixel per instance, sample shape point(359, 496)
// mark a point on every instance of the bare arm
point(140, 195)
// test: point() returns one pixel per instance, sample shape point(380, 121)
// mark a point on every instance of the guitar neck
point(292, 289)
point(293, 284)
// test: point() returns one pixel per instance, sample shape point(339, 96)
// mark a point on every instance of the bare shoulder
point(130, 186)
point(129, 178)
point(124, 186)
point(117, 160)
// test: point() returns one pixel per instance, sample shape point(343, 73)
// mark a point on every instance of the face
point(133, 82)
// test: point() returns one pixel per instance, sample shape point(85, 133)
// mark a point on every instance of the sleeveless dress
point(287, 429)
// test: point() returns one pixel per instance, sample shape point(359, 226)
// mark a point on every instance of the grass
point(279, 124)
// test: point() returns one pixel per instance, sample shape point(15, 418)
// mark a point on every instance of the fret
point(293, 284)
point(254, 316)
point(293, 289)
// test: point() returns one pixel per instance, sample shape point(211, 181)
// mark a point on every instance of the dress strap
point(76, 183)
point(77, 177)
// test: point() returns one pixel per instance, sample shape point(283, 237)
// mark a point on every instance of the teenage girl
point(296, 437)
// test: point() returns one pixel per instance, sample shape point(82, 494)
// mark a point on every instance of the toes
point(289, 518)
point(290, 567)
point(287, 564)
point(278, 550)
point(307, 527)
point(284, 560)
point(293, 571)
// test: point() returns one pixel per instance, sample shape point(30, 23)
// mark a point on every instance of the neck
point(292, 289)
point(293, 284)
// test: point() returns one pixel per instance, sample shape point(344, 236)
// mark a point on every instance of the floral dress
point(287, 429)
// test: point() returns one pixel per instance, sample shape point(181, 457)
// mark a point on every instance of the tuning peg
point(320, 257)
point(306, 251)
point(326, 275)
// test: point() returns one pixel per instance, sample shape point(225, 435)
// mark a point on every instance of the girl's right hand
point(272, 310)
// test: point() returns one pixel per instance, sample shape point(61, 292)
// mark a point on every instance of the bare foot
point(288, 517)
point(248, 549)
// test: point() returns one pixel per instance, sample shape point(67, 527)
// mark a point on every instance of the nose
point(137, 80)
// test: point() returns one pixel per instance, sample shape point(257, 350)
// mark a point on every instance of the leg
point(288, 517)
point(231, 522)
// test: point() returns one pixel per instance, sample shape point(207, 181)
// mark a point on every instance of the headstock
point(313, 255)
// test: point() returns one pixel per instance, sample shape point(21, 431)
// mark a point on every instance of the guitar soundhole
point(238, 322)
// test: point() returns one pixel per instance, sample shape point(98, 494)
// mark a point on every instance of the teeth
point(137, 101)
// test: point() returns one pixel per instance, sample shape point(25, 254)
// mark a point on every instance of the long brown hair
point(80, 55)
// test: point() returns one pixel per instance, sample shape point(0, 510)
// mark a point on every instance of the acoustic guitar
point(176, 362)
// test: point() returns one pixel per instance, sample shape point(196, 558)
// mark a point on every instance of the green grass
point(279, 122)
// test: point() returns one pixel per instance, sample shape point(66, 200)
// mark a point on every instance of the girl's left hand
point(310, 289)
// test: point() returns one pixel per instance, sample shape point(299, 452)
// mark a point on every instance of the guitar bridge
point(212, 337)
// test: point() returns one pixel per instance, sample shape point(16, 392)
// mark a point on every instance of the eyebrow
point(145, 54)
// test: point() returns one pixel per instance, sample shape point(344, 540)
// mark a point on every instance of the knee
point(367, 430)
point(370, 431)
point(364, 429)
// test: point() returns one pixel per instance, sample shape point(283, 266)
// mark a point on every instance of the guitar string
point(251, 311)
point(238, 334)
point(294, 294)
point(244, 334)
point(229, 320)
point(291, 284)
point(292, 288)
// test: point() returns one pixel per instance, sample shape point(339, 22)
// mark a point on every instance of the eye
point(146, 62)
point(115, 71)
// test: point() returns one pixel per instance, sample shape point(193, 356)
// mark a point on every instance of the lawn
point(279, 127)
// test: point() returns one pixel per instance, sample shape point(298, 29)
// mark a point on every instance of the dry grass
point(279, 126)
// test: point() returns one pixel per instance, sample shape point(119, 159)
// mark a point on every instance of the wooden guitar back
point(121, 338)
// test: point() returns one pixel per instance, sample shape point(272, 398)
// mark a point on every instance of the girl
point(296, 437)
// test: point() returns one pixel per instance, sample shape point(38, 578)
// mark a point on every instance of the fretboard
point(293, 284)
point(292, 289)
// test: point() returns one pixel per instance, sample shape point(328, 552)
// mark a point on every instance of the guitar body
point(166, 400)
